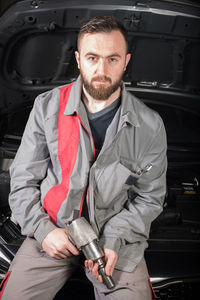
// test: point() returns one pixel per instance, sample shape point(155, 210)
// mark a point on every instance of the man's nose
point(101, 67)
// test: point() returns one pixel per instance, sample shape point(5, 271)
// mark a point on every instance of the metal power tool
point(85, 239)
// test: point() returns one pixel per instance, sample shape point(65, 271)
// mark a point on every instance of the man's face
point(102, 60)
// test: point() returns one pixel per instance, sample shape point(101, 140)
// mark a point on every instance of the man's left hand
point(110, 261)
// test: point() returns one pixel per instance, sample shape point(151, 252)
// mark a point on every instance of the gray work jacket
point(55, 170)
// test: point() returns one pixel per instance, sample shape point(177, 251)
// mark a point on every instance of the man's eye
point(113, 59)
point(92, 58)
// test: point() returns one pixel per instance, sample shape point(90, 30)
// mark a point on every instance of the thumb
point(110, 258)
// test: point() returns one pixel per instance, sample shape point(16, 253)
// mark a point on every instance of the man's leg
point(34, 275)
point(128, 286)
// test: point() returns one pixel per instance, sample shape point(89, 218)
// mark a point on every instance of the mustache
point(103, 78)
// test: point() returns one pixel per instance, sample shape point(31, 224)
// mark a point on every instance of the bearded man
point(91, 149)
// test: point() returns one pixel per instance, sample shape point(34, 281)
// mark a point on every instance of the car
point(37, 44)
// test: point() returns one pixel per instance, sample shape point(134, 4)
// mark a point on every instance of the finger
point(100, 279)
point(109, 268)
point(65, 253)
point(111, 259)
point(58, 256)
point(70, 246)
point(94, 271)
point(110, 265)
point(72, 249)
point(86, 264)
point(90, 265)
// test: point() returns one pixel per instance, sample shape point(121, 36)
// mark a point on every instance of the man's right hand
point(57, 245)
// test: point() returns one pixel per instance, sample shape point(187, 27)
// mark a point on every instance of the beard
point(101, 92)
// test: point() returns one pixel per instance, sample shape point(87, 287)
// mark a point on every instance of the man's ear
point(128, 57)
point(77, 56)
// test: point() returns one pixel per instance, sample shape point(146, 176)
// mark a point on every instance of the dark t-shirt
point(100, 121)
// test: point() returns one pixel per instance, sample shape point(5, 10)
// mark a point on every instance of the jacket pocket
point(112, 181)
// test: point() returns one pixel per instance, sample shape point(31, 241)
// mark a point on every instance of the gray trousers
point(34, 275)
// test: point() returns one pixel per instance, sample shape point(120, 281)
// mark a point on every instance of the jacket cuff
point(110, 243)
point(43, 229)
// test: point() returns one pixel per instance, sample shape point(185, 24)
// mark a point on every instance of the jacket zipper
point(93, 145)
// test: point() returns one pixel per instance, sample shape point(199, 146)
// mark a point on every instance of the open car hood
point(37, 44)
point(38, 40)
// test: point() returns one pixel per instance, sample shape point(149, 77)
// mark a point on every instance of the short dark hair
point(102, 24)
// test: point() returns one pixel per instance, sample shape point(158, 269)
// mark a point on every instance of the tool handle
point(108, 281)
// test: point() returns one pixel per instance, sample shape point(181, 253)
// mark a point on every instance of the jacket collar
point(74, 101)
point(128, 109)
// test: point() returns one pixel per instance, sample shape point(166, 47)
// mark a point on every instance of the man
point(89, 148)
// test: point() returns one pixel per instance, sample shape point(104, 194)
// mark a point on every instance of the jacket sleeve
point(27, 171)
point(145, 201)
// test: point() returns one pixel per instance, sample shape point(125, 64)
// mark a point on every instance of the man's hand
point(110, 260)
point(57, 245)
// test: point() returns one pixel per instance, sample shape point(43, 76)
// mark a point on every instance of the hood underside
point(38, 40)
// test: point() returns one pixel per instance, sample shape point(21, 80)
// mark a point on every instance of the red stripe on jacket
point(68, 140)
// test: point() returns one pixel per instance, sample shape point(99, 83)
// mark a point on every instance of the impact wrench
point(85, 239)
